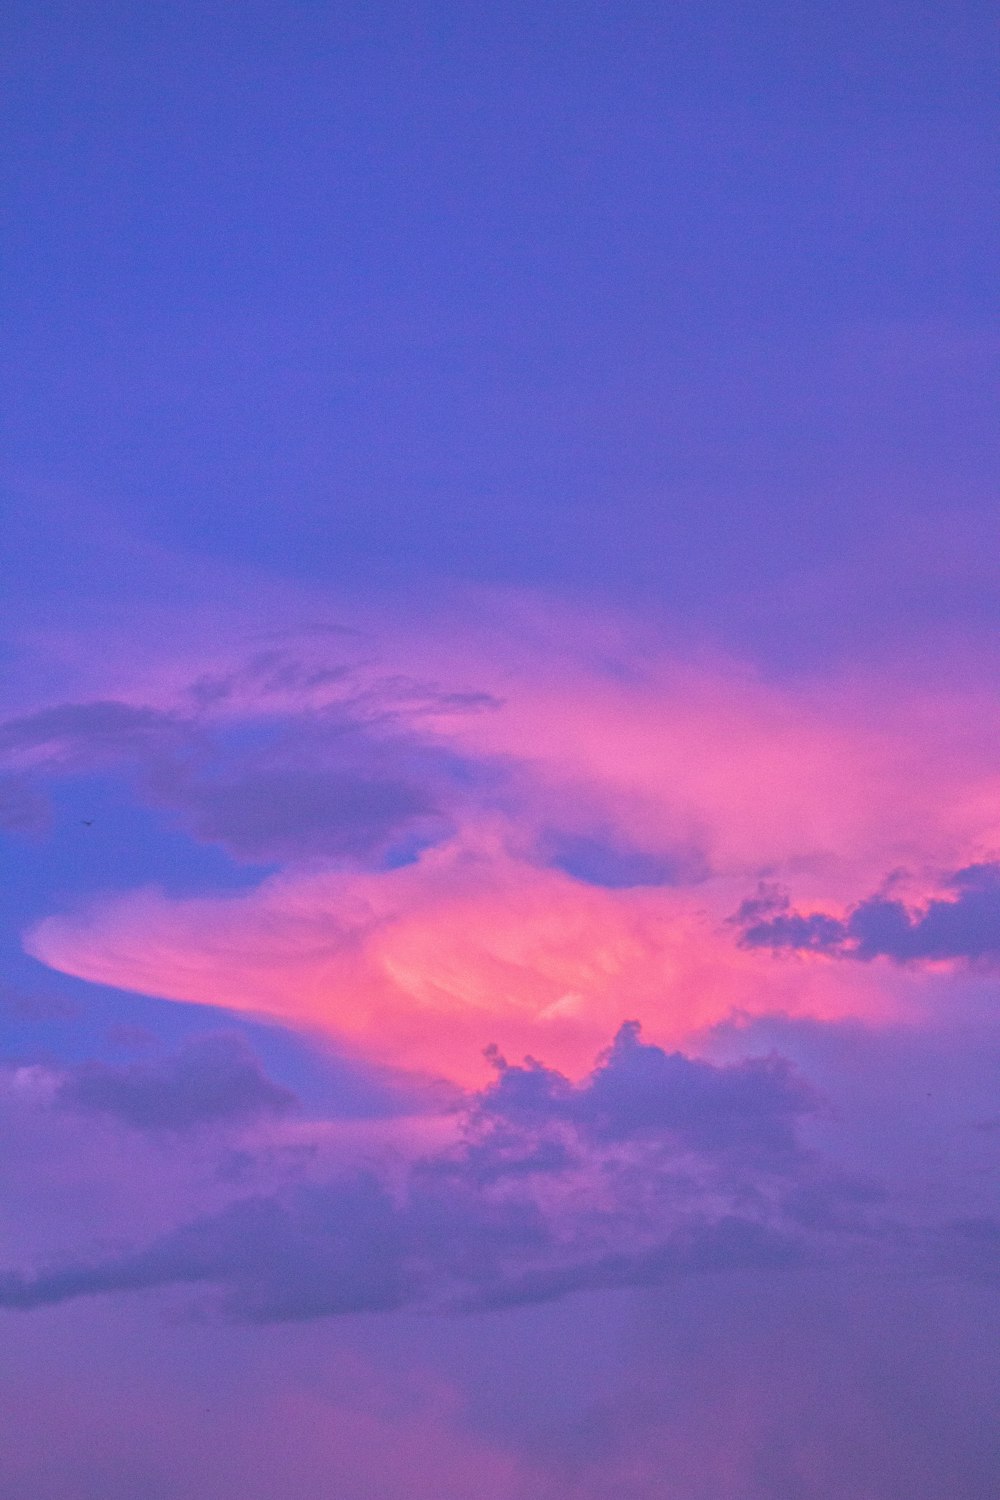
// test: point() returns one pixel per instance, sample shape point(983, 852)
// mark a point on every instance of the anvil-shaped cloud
point(519, 856)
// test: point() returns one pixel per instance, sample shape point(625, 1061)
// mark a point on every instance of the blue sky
point(689, 302)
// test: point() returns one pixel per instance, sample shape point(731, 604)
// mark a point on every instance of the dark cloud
point(305, 789)
point(308, 1253)
point(88, 733)
point(210, 1080)
point(346, 1246)
point(656, 1166)
point(299, 753)
point(301, 813)
point(638, 1089)
point(964, 925)
point(604, 860)
point(350, 781)
point(731, 1243)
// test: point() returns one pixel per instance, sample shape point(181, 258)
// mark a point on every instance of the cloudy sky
point(499, 776)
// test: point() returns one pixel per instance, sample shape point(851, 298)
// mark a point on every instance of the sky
point(499, 799)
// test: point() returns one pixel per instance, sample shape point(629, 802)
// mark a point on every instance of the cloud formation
point(655, 1166)
point(638, 1090)
point(965, 924)
point(280, 761)
point(209, 1080)
point(466, 847)
point(531, 864)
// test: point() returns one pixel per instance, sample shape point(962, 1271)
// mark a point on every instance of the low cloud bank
point(655, 1166)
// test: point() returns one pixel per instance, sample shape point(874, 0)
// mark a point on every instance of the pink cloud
point(428, 964)
point(825, 786)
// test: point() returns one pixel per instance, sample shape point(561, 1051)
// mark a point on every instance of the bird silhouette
point(87, 822)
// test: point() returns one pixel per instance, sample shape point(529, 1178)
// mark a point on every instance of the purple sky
point(499, 797)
